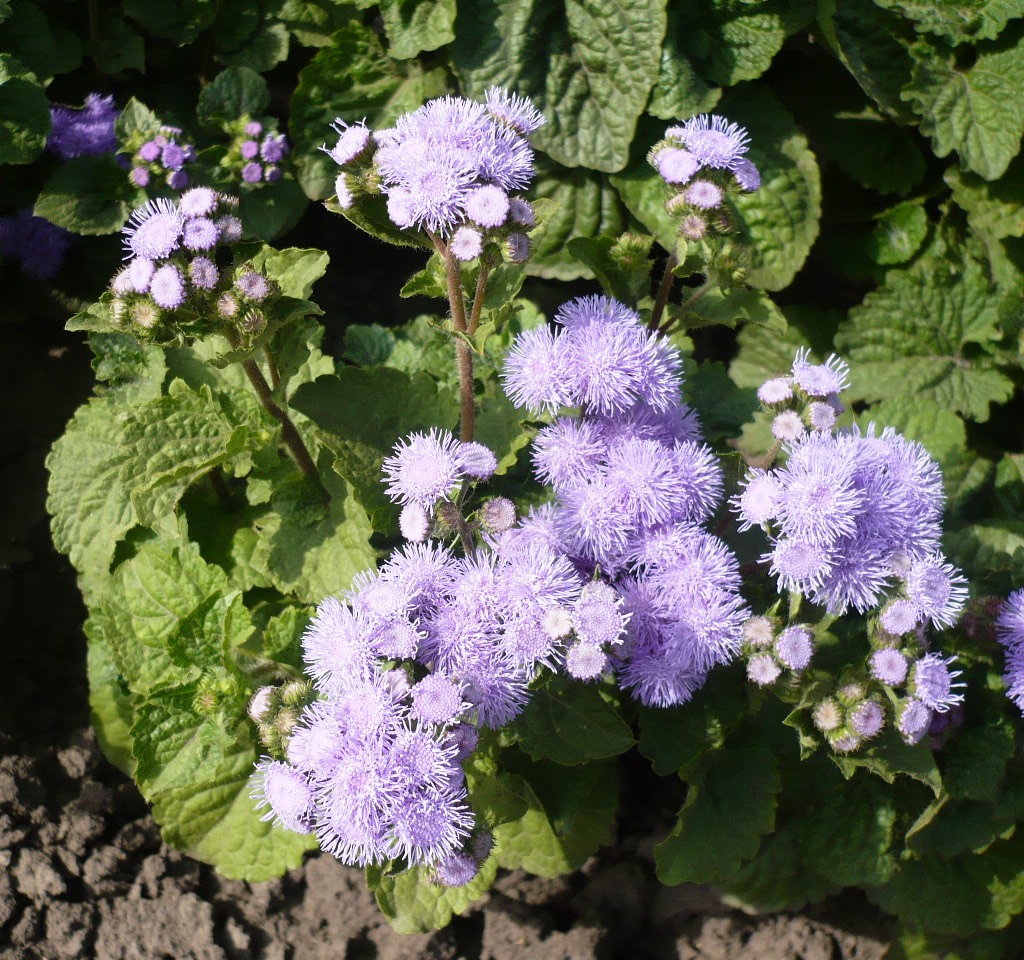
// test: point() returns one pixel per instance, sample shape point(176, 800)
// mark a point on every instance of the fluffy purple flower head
point(585, 311)
point(1010, 633)
point(199, 233)
point(776, 390)
point(286, 793)
point(197, 202)
point(456, 870)
point(173, 156)
point(83, 132)
point(249, 149)
point(787, 426)
point(759, 632)
point(536, 371)
point(352, 141)
point(252, 172)
point(274, 148)
point(704, 195)
point(230, 228)
point(498, 515)
point(272, 173)
point(149, 151)
point(867, 718)
point(794, 647)
point(139, 176)
point(335, 648)
point(467, 243)
point(676, 166)
point(597, 615)
point(177, 180)
point(475, 460)
point(820, 380)
point(423, 469)
point(414, 522)
point(154, 230)
point(585, 661)
point(202, 271)
point(437, 699)
point(253, 286)
point(934, 684)
point(900, 617)
point(821, 416)
point(136, 277)
point(487, 206)
point(429, 825)
point(799, 564)
point(167, 288)
point(938, 589)
point(763, 669)
point(759, 500)
point(713, 140)
point(567, 452)
point(889, 666)
point(518, 112)
point(914, 719)
point(746, 174)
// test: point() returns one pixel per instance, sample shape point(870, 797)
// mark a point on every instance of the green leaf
point(117, 47)
point(676, 739)
point(213, 819)
point(730, 806)
point(264, 50)
point(151, 607)
point(353, 79)
point(731, 41)
point(136, 122)
point(782, 216)
point(910, 339)
point(90, 509)
point(313, 22)
point(995, 208)
point(89, 196)
point(572, 723)
point(412, 903)
point(731, 306)
point(176, 439)
point(976, 758)
point(589, 67)
point(873, 44)
point(109, 704)
point(413, 26)
point(889, 757)
point(873, 151)
point(975, 111)
point(368, 346)
point(850, 842)
point(567, 818)
point(898, 234)
point(584, 205)
point(47, 47)
point(957, 20)
point(24, 113)
point(621, 264)
point(993, 544)
point(179, 21)
point(309, 550)
point(293, 269)
point(679, 90)
point(233, 93)
point(272, 209)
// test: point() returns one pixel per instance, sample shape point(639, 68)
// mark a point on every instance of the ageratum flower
point(38, 246)
point(83, 132)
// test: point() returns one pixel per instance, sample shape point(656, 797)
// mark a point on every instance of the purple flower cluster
point(702, 160)
point(850, 514)
point(162, 160)
point(1010, 632)
point(85, 131)
point(257, 151)
point(769, 654)
point(172, 252)
point(36, 245)
point(452, 167)
point(423, 653)
point(633, 485)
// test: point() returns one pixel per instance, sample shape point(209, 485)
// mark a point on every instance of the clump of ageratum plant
point(160, 160)
point(179, 281)
point(634, 487)
point(256, 151)
point(418, 658)
point(84, 131)
point(854, 520)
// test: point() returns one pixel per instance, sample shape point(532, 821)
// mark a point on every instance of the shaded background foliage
point(889, 228)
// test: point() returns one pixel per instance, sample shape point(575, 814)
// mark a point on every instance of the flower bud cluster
point(453, 167)
point(769, 654)
point(850, 717)
point(161, 159)
point(276, 709)
point(173, 284)
point(256, 151)
point(703, 162)
point(633, 488)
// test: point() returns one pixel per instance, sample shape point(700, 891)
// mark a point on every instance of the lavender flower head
point(85, 131)
point(1010, 633)
point(934, 684)
point(713, 140)
point(435, 160)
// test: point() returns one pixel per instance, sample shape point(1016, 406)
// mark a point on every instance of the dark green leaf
point(413, 26)
point(89, 195)
point(233, 93)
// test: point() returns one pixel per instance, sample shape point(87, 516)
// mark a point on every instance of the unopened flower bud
point(517, 247)
point(260, 703)
point(414, 522)
point(827, 715)
point(693, 227)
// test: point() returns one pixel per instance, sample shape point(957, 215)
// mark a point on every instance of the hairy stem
point(289, 433)
point(664, 289)
point(275, 370)
point(463, 353)
point(478, 297)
